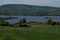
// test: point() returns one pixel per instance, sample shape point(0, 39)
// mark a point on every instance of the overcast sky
point(54, 3)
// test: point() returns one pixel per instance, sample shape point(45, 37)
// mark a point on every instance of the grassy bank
point(36, 32)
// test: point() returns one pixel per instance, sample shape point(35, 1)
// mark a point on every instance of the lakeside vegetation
point(50, 18)
point(23, 23)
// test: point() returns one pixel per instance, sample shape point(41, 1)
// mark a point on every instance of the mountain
point(29, 10)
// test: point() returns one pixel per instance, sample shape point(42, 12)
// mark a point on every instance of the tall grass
point(36, 32)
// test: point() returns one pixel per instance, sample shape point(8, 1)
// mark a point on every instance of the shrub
point(24, 25)
point(4, 24)
point(58, 23)
point(53, 23)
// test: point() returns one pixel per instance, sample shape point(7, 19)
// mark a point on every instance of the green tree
point(23, 20)
point(49, 21)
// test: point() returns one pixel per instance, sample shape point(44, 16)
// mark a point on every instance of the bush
point(4, 24)
point(24, 25)
point(53, 23)
point(58, 23)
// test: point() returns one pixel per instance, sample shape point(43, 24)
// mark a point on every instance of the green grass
point(36, 32)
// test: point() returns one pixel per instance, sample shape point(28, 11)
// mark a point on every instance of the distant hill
point(29, 10)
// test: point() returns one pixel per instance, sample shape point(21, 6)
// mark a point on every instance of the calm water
point(32, 18)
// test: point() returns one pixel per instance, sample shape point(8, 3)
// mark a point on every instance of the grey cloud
point(55, 3)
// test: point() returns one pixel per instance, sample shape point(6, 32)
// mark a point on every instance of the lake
point(31, 18)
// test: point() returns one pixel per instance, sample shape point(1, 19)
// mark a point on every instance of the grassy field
point(36, 32)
